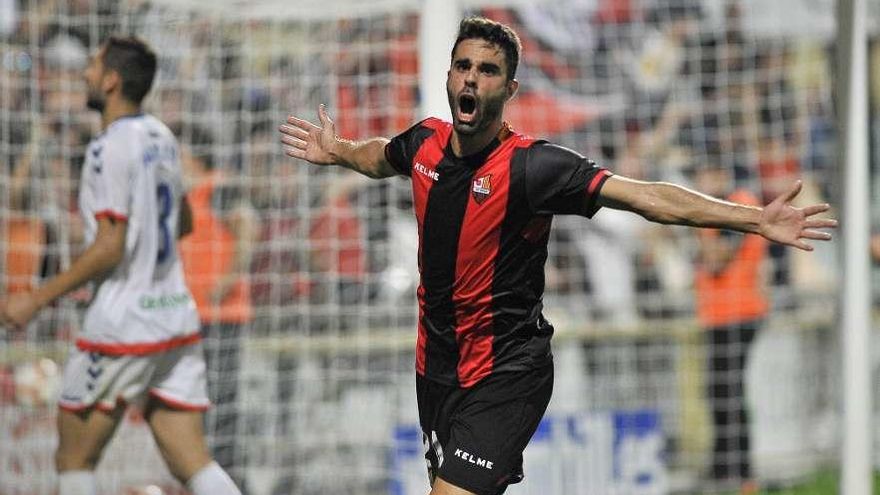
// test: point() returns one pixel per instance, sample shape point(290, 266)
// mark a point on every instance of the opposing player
point(140, 337)
point(484, 197)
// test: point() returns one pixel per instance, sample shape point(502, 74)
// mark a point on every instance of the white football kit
point(142, 310)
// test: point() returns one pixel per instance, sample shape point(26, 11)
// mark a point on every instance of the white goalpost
point(857, 456)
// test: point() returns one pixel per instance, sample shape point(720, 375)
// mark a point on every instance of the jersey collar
point(476, 160)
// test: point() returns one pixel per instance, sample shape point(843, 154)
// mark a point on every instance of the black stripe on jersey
point(519, 274)
point(444, 216)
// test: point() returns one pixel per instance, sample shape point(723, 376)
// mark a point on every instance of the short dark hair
point(493, 32)
point(134, 61)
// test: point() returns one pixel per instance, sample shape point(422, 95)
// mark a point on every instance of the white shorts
point(175, 377)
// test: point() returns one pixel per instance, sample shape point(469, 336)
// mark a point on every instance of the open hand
point(786, 224)
point(17, 310)
point(307, 141)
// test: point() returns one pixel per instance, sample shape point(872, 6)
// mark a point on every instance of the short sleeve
point(401, 150)
point(112, 178)
point(561, 181)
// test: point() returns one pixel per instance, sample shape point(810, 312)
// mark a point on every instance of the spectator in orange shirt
point(24, 240)
point(23, 235)
point(216, 258)
point(731, 307)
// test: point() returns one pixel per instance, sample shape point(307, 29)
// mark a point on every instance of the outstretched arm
point(320, 145)
point(667, 203)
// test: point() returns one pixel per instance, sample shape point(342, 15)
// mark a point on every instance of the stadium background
point(325, 399)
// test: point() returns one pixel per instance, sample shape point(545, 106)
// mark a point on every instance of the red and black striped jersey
point(484, 223)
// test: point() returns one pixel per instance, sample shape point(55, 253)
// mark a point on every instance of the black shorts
point(474, 437)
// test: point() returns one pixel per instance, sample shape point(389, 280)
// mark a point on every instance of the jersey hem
point(137, 349)
point(507, 368)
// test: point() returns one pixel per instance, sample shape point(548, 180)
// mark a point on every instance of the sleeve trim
point(111, 215)
point(597, 182)
point(593, 192)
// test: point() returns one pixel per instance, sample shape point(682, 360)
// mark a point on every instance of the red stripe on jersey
point(137, 349)
point(423, 178)
point(111, 215)
point(421, 337)
point(475, 267)
point(178, 404)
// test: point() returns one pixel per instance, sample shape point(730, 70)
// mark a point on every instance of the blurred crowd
point(649, 89)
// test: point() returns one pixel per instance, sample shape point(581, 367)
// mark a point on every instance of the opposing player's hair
point(493, 32)
point(134, 61)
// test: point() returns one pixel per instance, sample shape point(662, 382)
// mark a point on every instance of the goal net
point(309, 274)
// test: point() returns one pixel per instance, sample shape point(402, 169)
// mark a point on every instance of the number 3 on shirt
point(163, 195)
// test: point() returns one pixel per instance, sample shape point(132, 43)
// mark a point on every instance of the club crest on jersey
point(482, 188)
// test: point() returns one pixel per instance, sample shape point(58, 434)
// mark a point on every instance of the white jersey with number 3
point(132, 173)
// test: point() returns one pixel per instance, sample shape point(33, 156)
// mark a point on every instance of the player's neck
point(466, 145)
point(117, 109)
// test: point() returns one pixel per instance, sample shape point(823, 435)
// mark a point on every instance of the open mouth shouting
point(467, 109)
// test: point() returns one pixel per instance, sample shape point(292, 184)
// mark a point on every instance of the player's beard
point(488, 109)
point(95, 101)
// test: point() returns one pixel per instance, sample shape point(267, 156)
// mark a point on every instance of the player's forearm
point(97, 259)
point(672, 204)
point(365, 157)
